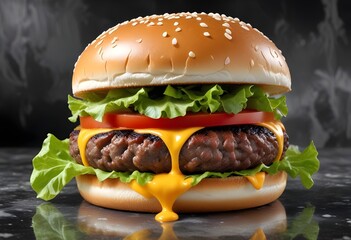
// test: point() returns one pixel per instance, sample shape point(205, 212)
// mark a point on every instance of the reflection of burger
point(176, 113)
point(267, 222)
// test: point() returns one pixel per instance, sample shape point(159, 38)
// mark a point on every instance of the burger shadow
point(56, 221)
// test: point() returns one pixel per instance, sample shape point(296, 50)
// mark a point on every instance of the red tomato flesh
point(137, 121)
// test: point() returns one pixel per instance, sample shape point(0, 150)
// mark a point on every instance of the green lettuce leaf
point(236, 101)
point(175, 101)
point(261, 102)
point(97, 106)
point(301, 164)
point(297, 164)
point(53, 168)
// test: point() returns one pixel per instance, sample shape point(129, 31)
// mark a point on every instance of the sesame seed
point(151, 24)
point(160, 23)
point(114, 45)
point(100, 50)
point(263, 55)
point(198, 18)
point(274, 54)
point(228, 36)
point(114, 40)
point(176, 23)
point(256, 48)
point(134, 23)
point(245, 27)
point(188, 17)
point(228, 31)
point(227, 61)
point(99, 43)
point(102, 35)
point(164, 34)
point(174, 41)
point(252, 63)
point(139, 40)
point(191, 54)
point(217, 17)
point(226, 25)
point(207, 34)
point(113, 29)
point(202, 24)
point(178, 29)
point(160, 19)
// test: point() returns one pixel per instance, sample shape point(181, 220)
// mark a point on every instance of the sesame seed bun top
point(181, 48)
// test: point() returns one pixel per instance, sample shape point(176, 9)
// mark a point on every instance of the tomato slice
point(137, 121)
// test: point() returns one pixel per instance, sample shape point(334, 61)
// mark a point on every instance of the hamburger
point(177, 113)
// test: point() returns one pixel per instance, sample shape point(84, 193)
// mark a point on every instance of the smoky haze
point(40, 41)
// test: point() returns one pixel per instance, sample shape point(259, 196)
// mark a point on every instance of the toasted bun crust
point(182, 48)
point(210, 195)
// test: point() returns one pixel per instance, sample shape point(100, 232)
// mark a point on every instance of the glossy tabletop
point(323, 212)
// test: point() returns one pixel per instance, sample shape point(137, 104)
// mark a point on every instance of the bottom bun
point(210, 195)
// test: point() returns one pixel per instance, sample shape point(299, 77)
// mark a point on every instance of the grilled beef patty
point(216, 149)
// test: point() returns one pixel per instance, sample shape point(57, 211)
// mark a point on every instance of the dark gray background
point(40, 41)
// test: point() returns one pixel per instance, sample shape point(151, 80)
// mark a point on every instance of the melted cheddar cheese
point(167, 187)
point(277, 128)
point(258, 235)
point(83, 138)
point(257, 180)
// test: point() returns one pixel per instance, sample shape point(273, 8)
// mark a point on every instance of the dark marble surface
point(323, 212)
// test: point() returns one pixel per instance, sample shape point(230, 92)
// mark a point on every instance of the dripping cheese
point(167, 187)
